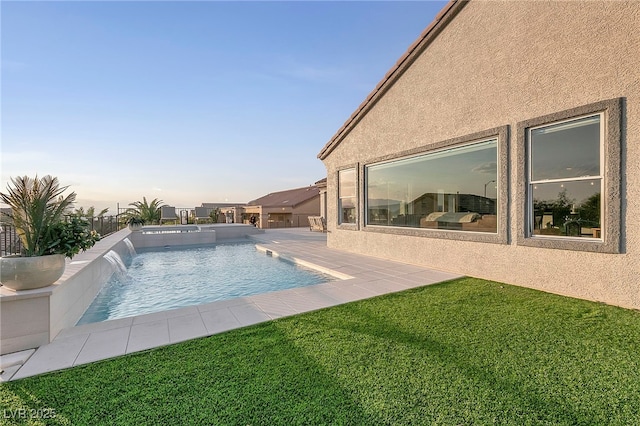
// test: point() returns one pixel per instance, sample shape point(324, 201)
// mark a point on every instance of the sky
point(188, 102)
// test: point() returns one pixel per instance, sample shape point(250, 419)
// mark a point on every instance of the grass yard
point(467, 351)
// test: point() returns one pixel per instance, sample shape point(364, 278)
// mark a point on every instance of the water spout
point(118, 265)
point(130, 247)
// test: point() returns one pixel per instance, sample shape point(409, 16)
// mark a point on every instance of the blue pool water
point(166, 279)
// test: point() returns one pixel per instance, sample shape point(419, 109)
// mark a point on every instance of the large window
point(347, 196)
point(565, 179)
point(451, 189)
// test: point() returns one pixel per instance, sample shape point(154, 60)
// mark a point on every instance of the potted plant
point(135, 223)
point(38, 211)
point(148, 212)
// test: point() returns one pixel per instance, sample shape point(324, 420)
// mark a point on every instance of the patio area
point(362, 277)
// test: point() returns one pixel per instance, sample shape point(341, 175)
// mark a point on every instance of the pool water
point(162, 279)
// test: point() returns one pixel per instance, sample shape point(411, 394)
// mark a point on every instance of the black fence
point(10, 242)
point(105, 225)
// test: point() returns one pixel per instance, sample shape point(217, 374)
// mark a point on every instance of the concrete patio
point(365, 277)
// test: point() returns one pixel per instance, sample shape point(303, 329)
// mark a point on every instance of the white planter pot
point(135, 227)
point(28, 273)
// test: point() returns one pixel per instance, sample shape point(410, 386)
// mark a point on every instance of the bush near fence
point(10, 243)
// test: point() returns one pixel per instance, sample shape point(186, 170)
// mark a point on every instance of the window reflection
point(565, 181)
point(566, 150)
point(347, 196)
point(454, 189)
point(567, 209)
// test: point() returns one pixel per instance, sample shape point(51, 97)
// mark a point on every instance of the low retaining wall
point(32, 318)
point(187, 235)
point(167, 236)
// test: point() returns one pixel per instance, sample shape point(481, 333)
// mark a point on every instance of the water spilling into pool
point(130, 248)
point(116, 262)
point(165, 279)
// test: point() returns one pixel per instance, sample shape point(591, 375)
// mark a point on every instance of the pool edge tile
point(148, 335)
point(186, 328)
point(219, 320)
point(104, 344)
point(57, 355)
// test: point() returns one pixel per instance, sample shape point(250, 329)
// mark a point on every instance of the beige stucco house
point(505, 144)
point(281, 209)
point(231, 211)
point(290, 208)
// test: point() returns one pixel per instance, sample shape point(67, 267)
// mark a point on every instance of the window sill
point(445, 234)
point(595, 245)
point(348, 226)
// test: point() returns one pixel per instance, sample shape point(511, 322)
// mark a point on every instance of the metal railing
point(10, 243)
point(180, 216)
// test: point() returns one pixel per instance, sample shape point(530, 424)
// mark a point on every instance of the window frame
point(501, 134)
point(531, 182)
point(340, 223)
point(610, 112)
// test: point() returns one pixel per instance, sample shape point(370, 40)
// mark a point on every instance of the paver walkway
point(367, 277)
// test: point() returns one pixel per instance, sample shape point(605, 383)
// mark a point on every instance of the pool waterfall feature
point(32, 318)
point(119, 268)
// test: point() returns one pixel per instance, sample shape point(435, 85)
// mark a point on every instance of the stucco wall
point(309, 208)
point(497, 64)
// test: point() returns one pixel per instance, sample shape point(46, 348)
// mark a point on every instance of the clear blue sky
point(189, 102)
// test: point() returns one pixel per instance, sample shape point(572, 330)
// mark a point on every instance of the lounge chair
point(317, 224)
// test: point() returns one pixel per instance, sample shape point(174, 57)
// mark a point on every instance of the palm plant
point(148, 212)
point(89, 213)
point(215, 213)
point(37, 206)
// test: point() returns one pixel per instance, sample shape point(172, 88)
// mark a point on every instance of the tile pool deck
point(94, 342)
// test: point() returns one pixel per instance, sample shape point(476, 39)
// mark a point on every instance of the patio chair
point(317, 224)
point(202, 213)
point(168, 213)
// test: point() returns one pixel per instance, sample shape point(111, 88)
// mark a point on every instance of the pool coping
point(358, 277)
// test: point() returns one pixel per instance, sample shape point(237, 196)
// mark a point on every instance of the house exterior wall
point(302, 211)
point(286, 216)
point(276, 217)
point(310, 207)
point(495, 65)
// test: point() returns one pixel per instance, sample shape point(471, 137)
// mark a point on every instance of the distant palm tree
point(90, 213)
point(149, 212)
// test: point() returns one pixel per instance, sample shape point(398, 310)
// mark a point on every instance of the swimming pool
point(160, 279)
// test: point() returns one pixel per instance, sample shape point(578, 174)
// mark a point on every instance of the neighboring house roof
point(290, 198)
point(218, 205)
point(322, 184)
point(445, 16)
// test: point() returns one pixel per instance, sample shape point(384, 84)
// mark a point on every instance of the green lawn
point(463, 352)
